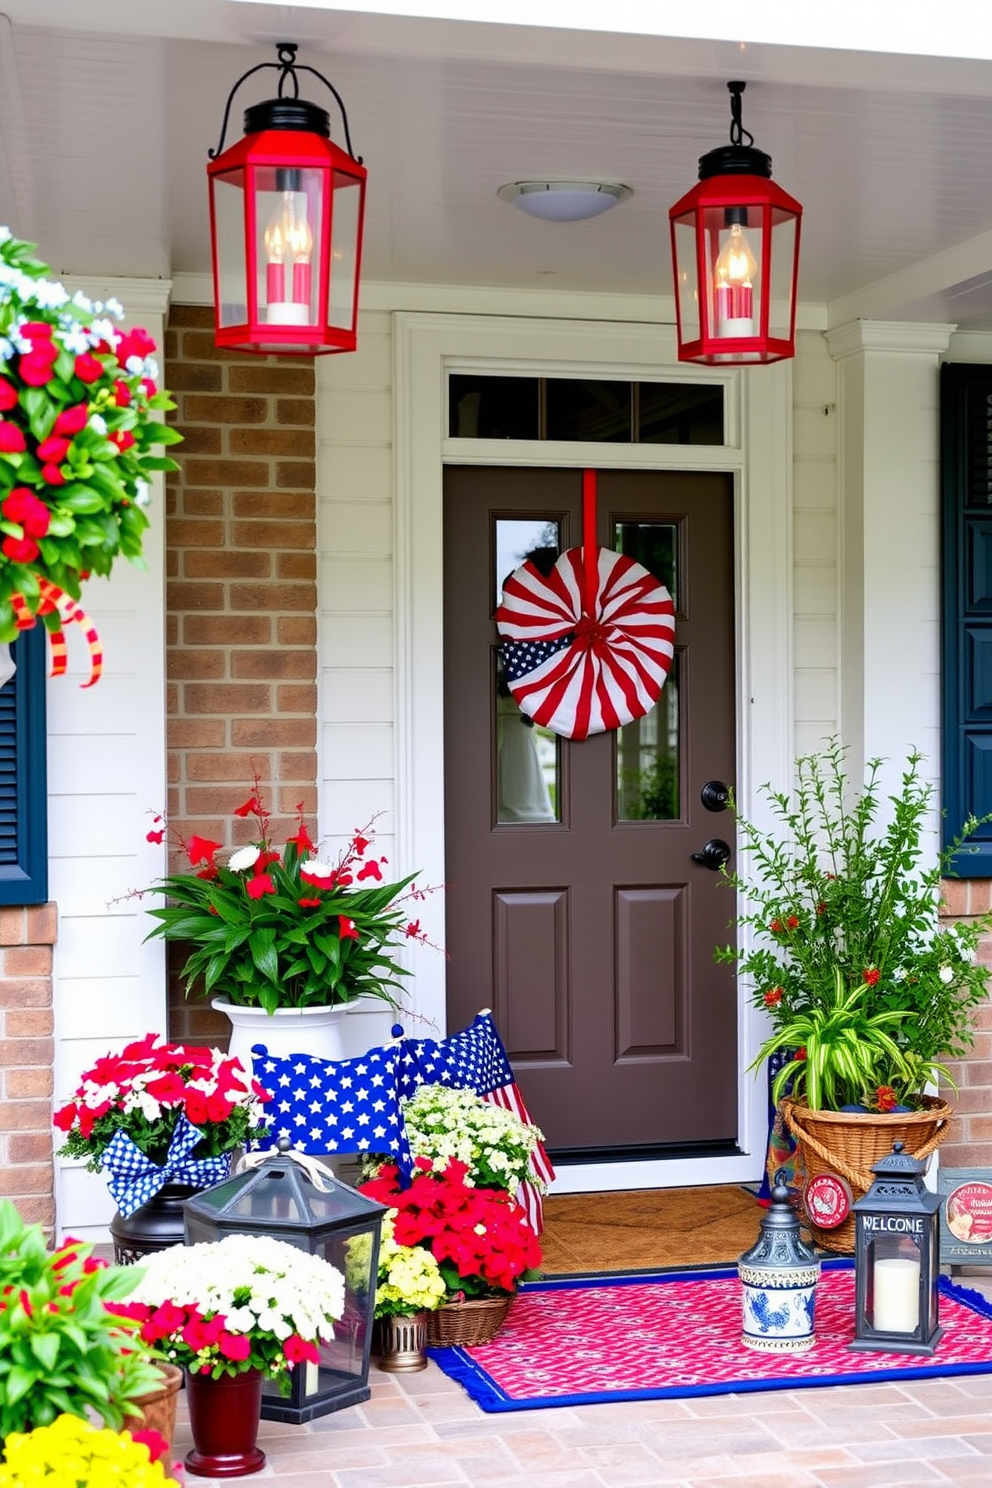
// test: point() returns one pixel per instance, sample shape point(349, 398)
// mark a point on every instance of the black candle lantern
point(307, 1207)
point(897, 1259)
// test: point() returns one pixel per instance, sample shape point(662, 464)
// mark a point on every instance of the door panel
point(574, 908)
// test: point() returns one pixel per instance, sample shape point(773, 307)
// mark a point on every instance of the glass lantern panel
point(733, 259)
point(272, 1198)
point(346, 209)
point(288, 249)
point(783, 253)
point(685, 281)
point(893, 1296)
point(346, 1352)
point(229, 226)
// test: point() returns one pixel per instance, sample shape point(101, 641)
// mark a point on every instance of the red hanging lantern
point(287, 208)
point(735, 251)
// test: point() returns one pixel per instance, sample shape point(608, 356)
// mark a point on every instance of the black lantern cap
point(898, 1185)
point(738, 158)
point(286, 112)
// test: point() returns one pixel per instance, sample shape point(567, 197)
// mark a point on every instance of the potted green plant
point(867, 991)
point(283, 940)
point(62, 1350)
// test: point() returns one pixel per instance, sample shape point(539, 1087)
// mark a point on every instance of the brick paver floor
point(422, 1429)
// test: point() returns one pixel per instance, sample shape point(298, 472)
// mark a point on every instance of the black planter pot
point(153, 1226)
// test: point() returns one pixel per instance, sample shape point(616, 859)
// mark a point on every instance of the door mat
point(648, 1230)
point(676, 1335)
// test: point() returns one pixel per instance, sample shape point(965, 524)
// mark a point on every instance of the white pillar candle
point(897, 1295)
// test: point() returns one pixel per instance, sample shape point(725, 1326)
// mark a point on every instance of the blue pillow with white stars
point(327, 1106)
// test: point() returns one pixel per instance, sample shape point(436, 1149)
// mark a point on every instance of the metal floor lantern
point(735, 252)
point(897, 1259)
point(287, 207)
point(302, 1203)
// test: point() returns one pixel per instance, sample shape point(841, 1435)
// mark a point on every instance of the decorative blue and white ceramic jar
point(778, 1276)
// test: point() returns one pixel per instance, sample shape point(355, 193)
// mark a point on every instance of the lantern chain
point(288, 69)
point(738, 134)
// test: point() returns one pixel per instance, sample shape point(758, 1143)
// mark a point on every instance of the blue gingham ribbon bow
point(133, 1178)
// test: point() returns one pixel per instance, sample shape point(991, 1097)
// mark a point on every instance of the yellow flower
point(70, 1453)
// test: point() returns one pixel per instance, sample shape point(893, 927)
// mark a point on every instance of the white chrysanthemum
point(946, 975)
point(245, 857)
point(316, 868)
point(75, 340)
point(49, 294)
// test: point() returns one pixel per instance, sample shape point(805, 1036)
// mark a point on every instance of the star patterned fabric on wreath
point(326, 1106)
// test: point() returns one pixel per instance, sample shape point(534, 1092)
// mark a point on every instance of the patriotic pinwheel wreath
point(586, 647)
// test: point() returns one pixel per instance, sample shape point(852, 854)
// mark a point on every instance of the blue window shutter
point(23, 786)
point(966, 561)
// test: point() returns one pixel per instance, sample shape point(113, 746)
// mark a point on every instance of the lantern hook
point(738, 134)
point(288, 69)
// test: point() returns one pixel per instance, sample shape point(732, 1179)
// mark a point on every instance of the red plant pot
point(223, 1417)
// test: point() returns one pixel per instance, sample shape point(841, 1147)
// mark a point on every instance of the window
point(488, 406)
point(966, 478)
point(23, 796)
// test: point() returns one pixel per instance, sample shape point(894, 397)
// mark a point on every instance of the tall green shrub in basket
point(848, 954)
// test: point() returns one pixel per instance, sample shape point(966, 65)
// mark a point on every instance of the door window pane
point(679, 413)
point(655, 545)
point(517, 539)
point(580, 408)
point(494, 407)
point(648, 787)
point(528, 763)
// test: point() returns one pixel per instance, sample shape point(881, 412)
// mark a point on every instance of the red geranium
point(480, 1237)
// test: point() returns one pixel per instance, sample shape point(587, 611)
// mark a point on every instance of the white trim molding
point(758, 454)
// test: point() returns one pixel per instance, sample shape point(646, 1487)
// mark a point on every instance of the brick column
point(970, 1142)
point(27, 1051)
point(241, 596)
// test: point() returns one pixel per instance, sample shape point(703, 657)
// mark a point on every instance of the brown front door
point(574, 907)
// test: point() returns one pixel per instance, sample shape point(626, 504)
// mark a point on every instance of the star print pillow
point(334, 1106)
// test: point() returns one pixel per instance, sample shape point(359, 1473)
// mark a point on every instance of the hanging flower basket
point(78, 399)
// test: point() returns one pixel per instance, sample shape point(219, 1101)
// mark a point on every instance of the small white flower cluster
point(259, 1284)
point(494, 1144)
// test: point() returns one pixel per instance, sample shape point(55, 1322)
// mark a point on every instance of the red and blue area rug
point(677, 1334)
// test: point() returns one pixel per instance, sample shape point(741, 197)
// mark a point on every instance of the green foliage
point(298, 944)
point(841, 902)
point(61, 1350)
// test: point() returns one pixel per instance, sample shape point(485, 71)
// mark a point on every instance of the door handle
point(714, 854)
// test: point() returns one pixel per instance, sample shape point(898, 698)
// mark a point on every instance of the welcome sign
point(966, 1216)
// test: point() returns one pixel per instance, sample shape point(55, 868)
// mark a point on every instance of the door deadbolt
point(715, 795)
point(714, 854)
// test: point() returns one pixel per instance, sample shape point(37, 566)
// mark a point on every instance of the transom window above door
point(489, 406)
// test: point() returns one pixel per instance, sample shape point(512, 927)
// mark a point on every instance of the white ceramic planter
point(312, 1030)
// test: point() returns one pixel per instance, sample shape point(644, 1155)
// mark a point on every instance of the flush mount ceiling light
point(564, 201)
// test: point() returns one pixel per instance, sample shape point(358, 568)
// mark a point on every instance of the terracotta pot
point(153, 1226)
point(223, 1417)
point(158, 1407)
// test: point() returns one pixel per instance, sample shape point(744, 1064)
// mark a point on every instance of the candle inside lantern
point(896, 1294)
point(735, 269)
point(288, 241)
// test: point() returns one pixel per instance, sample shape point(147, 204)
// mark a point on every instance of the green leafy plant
point(842, 895)
point(278, 928)
point(842, 1055)
point(61, 1350)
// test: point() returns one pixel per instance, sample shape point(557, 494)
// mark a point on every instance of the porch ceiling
point(107, 110)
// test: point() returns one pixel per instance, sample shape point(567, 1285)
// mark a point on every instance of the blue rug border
point(459, 1366)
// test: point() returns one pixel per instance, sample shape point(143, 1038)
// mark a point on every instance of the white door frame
point(758, 453)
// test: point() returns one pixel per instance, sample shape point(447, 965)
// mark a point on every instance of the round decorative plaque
point(969, 1213)
point(828, 1200)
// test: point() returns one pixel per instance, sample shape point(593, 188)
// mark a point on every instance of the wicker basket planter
point(467, 1323)
point(158, 1407)
point(847, 1143)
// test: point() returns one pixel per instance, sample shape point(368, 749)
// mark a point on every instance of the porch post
point(889, 541)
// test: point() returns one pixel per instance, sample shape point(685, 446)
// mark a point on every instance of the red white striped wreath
point(588, 647)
